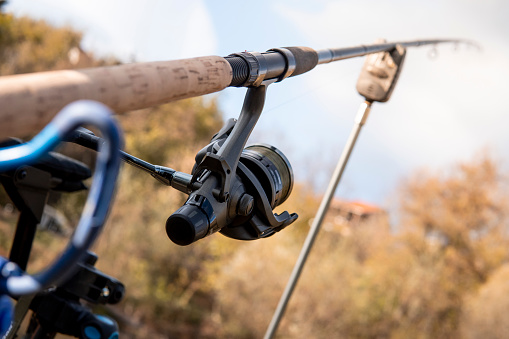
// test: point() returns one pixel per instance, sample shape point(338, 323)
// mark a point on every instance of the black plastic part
point(263, 223)
point(23, 239)
point(305, 59)
point(92, 285)
point(247, 67)
point(164, 175)
point(55, 314)
point(276, 64)
point(28, 188)
point(58, 165)
point(188, 224)
point(240, 70)
point(60, 311)
point(85, 138)
point(63, 167)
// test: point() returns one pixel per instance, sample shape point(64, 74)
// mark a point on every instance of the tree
point(165, 293)
point(463, 213)
point(410, 284)
point(166, 289)
point(29, 45)
point(485, 313)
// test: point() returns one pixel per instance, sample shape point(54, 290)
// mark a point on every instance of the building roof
point(355, 207)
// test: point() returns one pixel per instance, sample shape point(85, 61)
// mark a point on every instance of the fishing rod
point(280, 63)
point(231, 189)
point(376, 83)
point(33, 99)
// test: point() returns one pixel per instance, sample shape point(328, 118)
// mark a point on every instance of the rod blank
point(335, 54)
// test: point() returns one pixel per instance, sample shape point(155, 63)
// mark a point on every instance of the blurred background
point(415, 244)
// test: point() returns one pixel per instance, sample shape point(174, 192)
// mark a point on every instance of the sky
point(448, 105)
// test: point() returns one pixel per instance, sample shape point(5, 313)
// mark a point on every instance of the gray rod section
point(334, 54)
point(360, 120)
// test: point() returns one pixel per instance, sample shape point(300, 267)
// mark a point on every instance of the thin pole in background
point(360, 120)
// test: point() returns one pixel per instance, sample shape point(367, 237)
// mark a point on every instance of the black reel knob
point(189, 223)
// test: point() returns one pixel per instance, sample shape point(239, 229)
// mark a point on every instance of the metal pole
point(360, 120)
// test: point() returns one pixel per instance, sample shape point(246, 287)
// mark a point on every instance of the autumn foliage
point(436, 268)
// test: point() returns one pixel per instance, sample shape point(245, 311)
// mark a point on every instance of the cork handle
point(29, 101)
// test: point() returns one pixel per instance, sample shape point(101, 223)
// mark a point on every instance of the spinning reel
point(231, 190)
point(234, 190)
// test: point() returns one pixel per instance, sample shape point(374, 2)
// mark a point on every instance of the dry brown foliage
point(378, 284)
point(443, 274)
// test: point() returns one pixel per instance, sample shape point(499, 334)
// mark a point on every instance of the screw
point(21, 174)
point(245, 206)
point(105, 292)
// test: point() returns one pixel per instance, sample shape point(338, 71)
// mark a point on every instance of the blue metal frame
point(15, 282)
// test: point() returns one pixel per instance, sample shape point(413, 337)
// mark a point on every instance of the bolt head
point(105, 292)
point(245, 205)
point(21, 175)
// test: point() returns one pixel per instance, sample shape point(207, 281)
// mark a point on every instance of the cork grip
point(29, 101)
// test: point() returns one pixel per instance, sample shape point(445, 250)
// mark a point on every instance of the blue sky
point(444, 109)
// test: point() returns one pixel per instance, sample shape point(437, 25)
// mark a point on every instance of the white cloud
point(442, 110)
point(147, 30)
point(199, 37)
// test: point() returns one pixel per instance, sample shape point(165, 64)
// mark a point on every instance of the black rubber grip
point(240, 70)
point(305, 59)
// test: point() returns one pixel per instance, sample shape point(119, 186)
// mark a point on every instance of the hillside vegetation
point(440, 272)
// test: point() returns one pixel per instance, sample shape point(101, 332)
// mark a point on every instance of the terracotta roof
point(356, 207)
